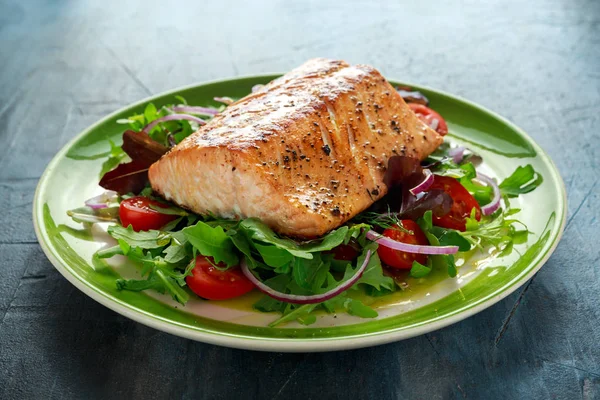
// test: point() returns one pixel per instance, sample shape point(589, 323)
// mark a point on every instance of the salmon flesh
point(305, 153)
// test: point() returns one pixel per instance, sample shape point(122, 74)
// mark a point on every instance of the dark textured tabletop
point(66, 64)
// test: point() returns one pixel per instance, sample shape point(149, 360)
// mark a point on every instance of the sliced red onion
point(173, 117)
point(195, 110)
point(410, 248)
point(224, 100)
point(256, 88)
point(297, 299)
point(424, 184)
point(457, 154)
point(493, 205)
point(102, 200)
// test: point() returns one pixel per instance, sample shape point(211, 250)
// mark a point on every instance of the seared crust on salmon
point(305, 154)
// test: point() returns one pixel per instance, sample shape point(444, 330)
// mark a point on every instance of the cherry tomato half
point(136, 212)
point(411, 234)
point(463, 203)
point(213, 284)
point(427, 115)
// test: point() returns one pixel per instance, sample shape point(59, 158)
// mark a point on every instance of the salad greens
point(166, 256)
point(165, 259)
point(179, 130)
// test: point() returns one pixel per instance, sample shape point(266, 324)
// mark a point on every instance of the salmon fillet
point(305, 154)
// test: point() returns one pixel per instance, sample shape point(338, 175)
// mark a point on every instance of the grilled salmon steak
point(305, 154)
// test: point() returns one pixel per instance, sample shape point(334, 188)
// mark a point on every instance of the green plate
point(71, 177)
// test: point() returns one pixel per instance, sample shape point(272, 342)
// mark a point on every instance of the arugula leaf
point(213, 242)
point(160, 280)
point(260, 232)
point(465, 173)
point(523, 180)
point(371, 291)
point(450, 265)
point(186, 130)
point(373, 275)
point(310, 275)
point(438, 236)
point(274, 256)
point(358, 309)
point(269, 304)
point(447, 167)
point(144, 239)
point(300, 312)
point(483, 194)
point(175, 254)
point(426, 225)
point(181, 99)
point(150, 113)
point(318, 276)
point(74, 155)
point(171, 225)
point(451, 237)
point(520, 236)
point(489, 231)
point(284, 269)
point(136, 285)
point(173, 288)
point(169, 210)
point(307, 319)
point(257, 230)
point(88, 214)
point(110, 252)
point(328, 242)
point(116, 157)
point(300, 274)
point(336, 303)
point(242, 243)
point(426, 221)
point(419, 270)
point(123, 246)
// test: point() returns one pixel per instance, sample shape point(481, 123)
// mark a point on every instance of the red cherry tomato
point(427, 115)
point(344, 252)
point(401, 259)
point(461, 207)
point(213, 284)
point(136, 212)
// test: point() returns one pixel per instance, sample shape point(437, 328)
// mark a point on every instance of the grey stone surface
point(65, 64)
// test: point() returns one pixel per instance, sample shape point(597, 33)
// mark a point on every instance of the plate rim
point(290, 344)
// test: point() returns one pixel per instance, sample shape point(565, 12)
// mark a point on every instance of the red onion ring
point(102, 200)
point(410, 248)
point(493, 205)
point(424, 184)
point(457, 154)
point(173, 117)
point(224, 100)
point(195, 110)
point(297, 299)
